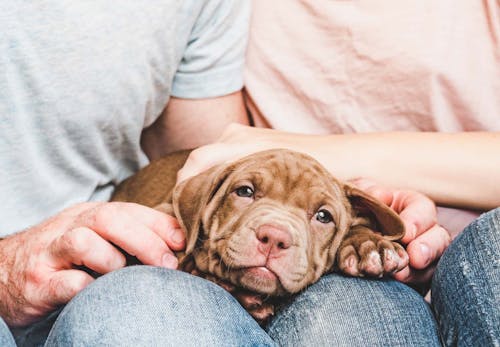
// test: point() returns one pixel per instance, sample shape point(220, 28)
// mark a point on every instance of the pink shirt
point(342, 66)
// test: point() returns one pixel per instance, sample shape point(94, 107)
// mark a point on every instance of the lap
point(466, 285)
point(346, 311)
point(153, 306)
point(146, 306)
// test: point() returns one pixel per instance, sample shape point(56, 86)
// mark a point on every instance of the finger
point(412, 276)
point(64, 285)
point(82, 246)
point(123, 224)
point(199, 161)
point(164, 225)
point(380, 193)
point(205, 157)
point(417, 212)
point(428, 247)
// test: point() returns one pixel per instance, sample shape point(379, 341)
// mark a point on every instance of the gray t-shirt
point(79, 80)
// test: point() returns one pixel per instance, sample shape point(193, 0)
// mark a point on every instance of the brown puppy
point(271, 224)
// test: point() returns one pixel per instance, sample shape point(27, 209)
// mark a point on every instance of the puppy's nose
point(273, 239)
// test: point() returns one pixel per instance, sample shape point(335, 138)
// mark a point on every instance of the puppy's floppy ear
point(191, 196)
point(364, 205)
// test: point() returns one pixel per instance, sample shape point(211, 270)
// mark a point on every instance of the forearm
point(458, 170)
point(190, 123)
point(461, 169)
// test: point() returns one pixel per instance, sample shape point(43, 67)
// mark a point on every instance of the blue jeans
point(146, 306)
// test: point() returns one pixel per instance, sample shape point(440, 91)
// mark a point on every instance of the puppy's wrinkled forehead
point(285, 176)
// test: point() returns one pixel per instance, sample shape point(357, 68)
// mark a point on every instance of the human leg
point(466, 285)
point(6, 338)
point(345, 311)
point(147, 306)
point(35, 334)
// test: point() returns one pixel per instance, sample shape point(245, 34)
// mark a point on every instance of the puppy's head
point(273, 221)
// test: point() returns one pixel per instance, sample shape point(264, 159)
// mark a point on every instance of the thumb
point(64, 285)
point(377, 191)
point(417, 212)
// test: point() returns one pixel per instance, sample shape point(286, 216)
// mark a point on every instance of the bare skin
point(39, 267)
point(452, 169)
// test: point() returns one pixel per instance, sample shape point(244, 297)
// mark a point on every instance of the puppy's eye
point(244, 192)
point(324, 216)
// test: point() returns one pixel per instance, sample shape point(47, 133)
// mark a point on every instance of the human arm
point(453, 169)
point(40, 267)
point(206, 90)
point(408, 160)
point(45, 256)
point(190, 123)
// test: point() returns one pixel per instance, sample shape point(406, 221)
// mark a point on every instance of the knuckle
point(197, 157)
point(85, 205)
point(101, 214)
point(79, 208)
point(69, 288)
point(165, 224)
point(34, 277)
point(76, 240)
point(104, 214)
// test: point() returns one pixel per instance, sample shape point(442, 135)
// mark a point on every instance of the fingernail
point(425, 251)
point(178, 237)
point(169, 261)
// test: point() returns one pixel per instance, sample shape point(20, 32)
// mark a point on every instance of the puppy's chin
point(261, 280)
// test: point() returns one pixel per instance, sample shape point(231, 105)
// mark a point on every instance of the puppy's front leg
point(255, 304)
point(364, 252)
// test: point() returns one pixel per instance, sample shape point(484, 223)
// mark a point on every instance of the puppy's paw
point(263, 313)
point(256, 305)
point(370, 254)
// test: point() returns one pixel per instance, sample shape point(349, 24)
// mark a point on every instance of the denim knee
point(150, 306)
point(466, 285)
point(344, 311)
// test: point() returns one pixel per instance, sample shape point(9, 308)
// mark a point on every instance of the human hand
point(235, 142)
point(425, 240)
point(38, 266)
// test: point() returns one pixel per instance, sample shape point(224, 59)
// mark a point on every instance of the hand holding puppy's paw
point(365, 253)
